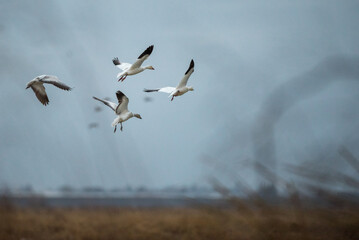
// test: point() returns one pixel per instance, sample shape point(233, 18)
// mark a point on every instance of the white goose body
point(181, 88)
point(120, 109)
point(37, 85)
point(180, 91)
point(123, 117)
point(135, 68)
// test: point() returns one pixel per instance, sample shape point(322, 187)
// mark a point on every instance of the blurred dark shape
point(321, 196)
point(141, 189)
point(269, 175)
point(268, 192)
point(66, 189)
point(98, 109)
point(147, 99)
point(348, 156)
point(309, 186)
point(37, 201)
point(220, 188)
point(69, 53)
point(93, 125)
point(330, 70)
point(93, 189)
point(117, 190)
point(230, 170)
point(324, 176)
point(129, 188)
point(6, 203)
point(5, 190)
point(27, 189)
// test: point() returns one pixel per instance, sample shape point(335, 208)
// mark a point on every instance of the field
point(239, 222)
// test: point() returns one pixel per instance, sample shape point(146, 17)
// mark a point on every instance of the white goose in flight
point(37, 85)
point(120, 109)
point(181, 88)
point(132, 69)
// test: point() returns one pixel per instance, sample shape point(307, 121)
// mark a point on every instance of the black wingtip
point(191, 65)
point(119, 94)
point(150, 90)
point(116, 61)
point(46, 102)
point(147, 51)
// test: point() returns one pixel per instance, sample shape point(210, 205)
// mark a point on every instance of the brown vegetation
point(322, 214)
point(260, 222)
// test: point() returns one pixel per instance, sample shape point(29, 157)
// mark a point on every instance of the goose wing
point(54, 81)
point(164, 89)
point(122, 102)
point(112, 105)
point(40, 93)
point(188, 73)
point(120, 65)
point(142, 57)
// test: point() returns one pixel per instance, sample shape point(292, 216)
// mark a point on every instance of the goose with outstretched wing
point(121, 109)
point(181, 88)
point(135, 68)
point(37, 85)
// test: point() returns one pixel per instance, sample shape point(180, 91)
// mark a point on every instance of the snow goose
point(37, 85)
point(181, 88)
point(120, 109)
point(132, 69)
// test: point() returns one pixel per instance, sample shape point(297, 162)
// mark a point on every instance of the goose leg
point(115, 129)
point(120, 79)
point(121, 127)
point(172, 98)
point(124, 77)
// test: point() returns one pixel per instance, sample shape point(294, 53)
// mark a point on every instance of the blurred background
point(275, 96)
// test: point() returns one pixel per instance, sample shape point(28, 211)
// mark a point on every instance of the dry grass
point(196, 223)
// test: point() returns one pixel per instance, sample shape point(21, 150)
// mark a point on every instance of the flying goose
point(37, 85)
point(93, 125)
point(132, 69)
point(120, 109)
point(181, 88)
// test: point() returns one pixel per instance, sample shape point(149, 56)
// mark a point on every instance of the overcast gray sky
point(268, 84)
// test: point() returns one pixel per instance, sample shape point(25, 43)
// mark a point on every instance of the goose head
point(137, 115)
point(150, 68)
